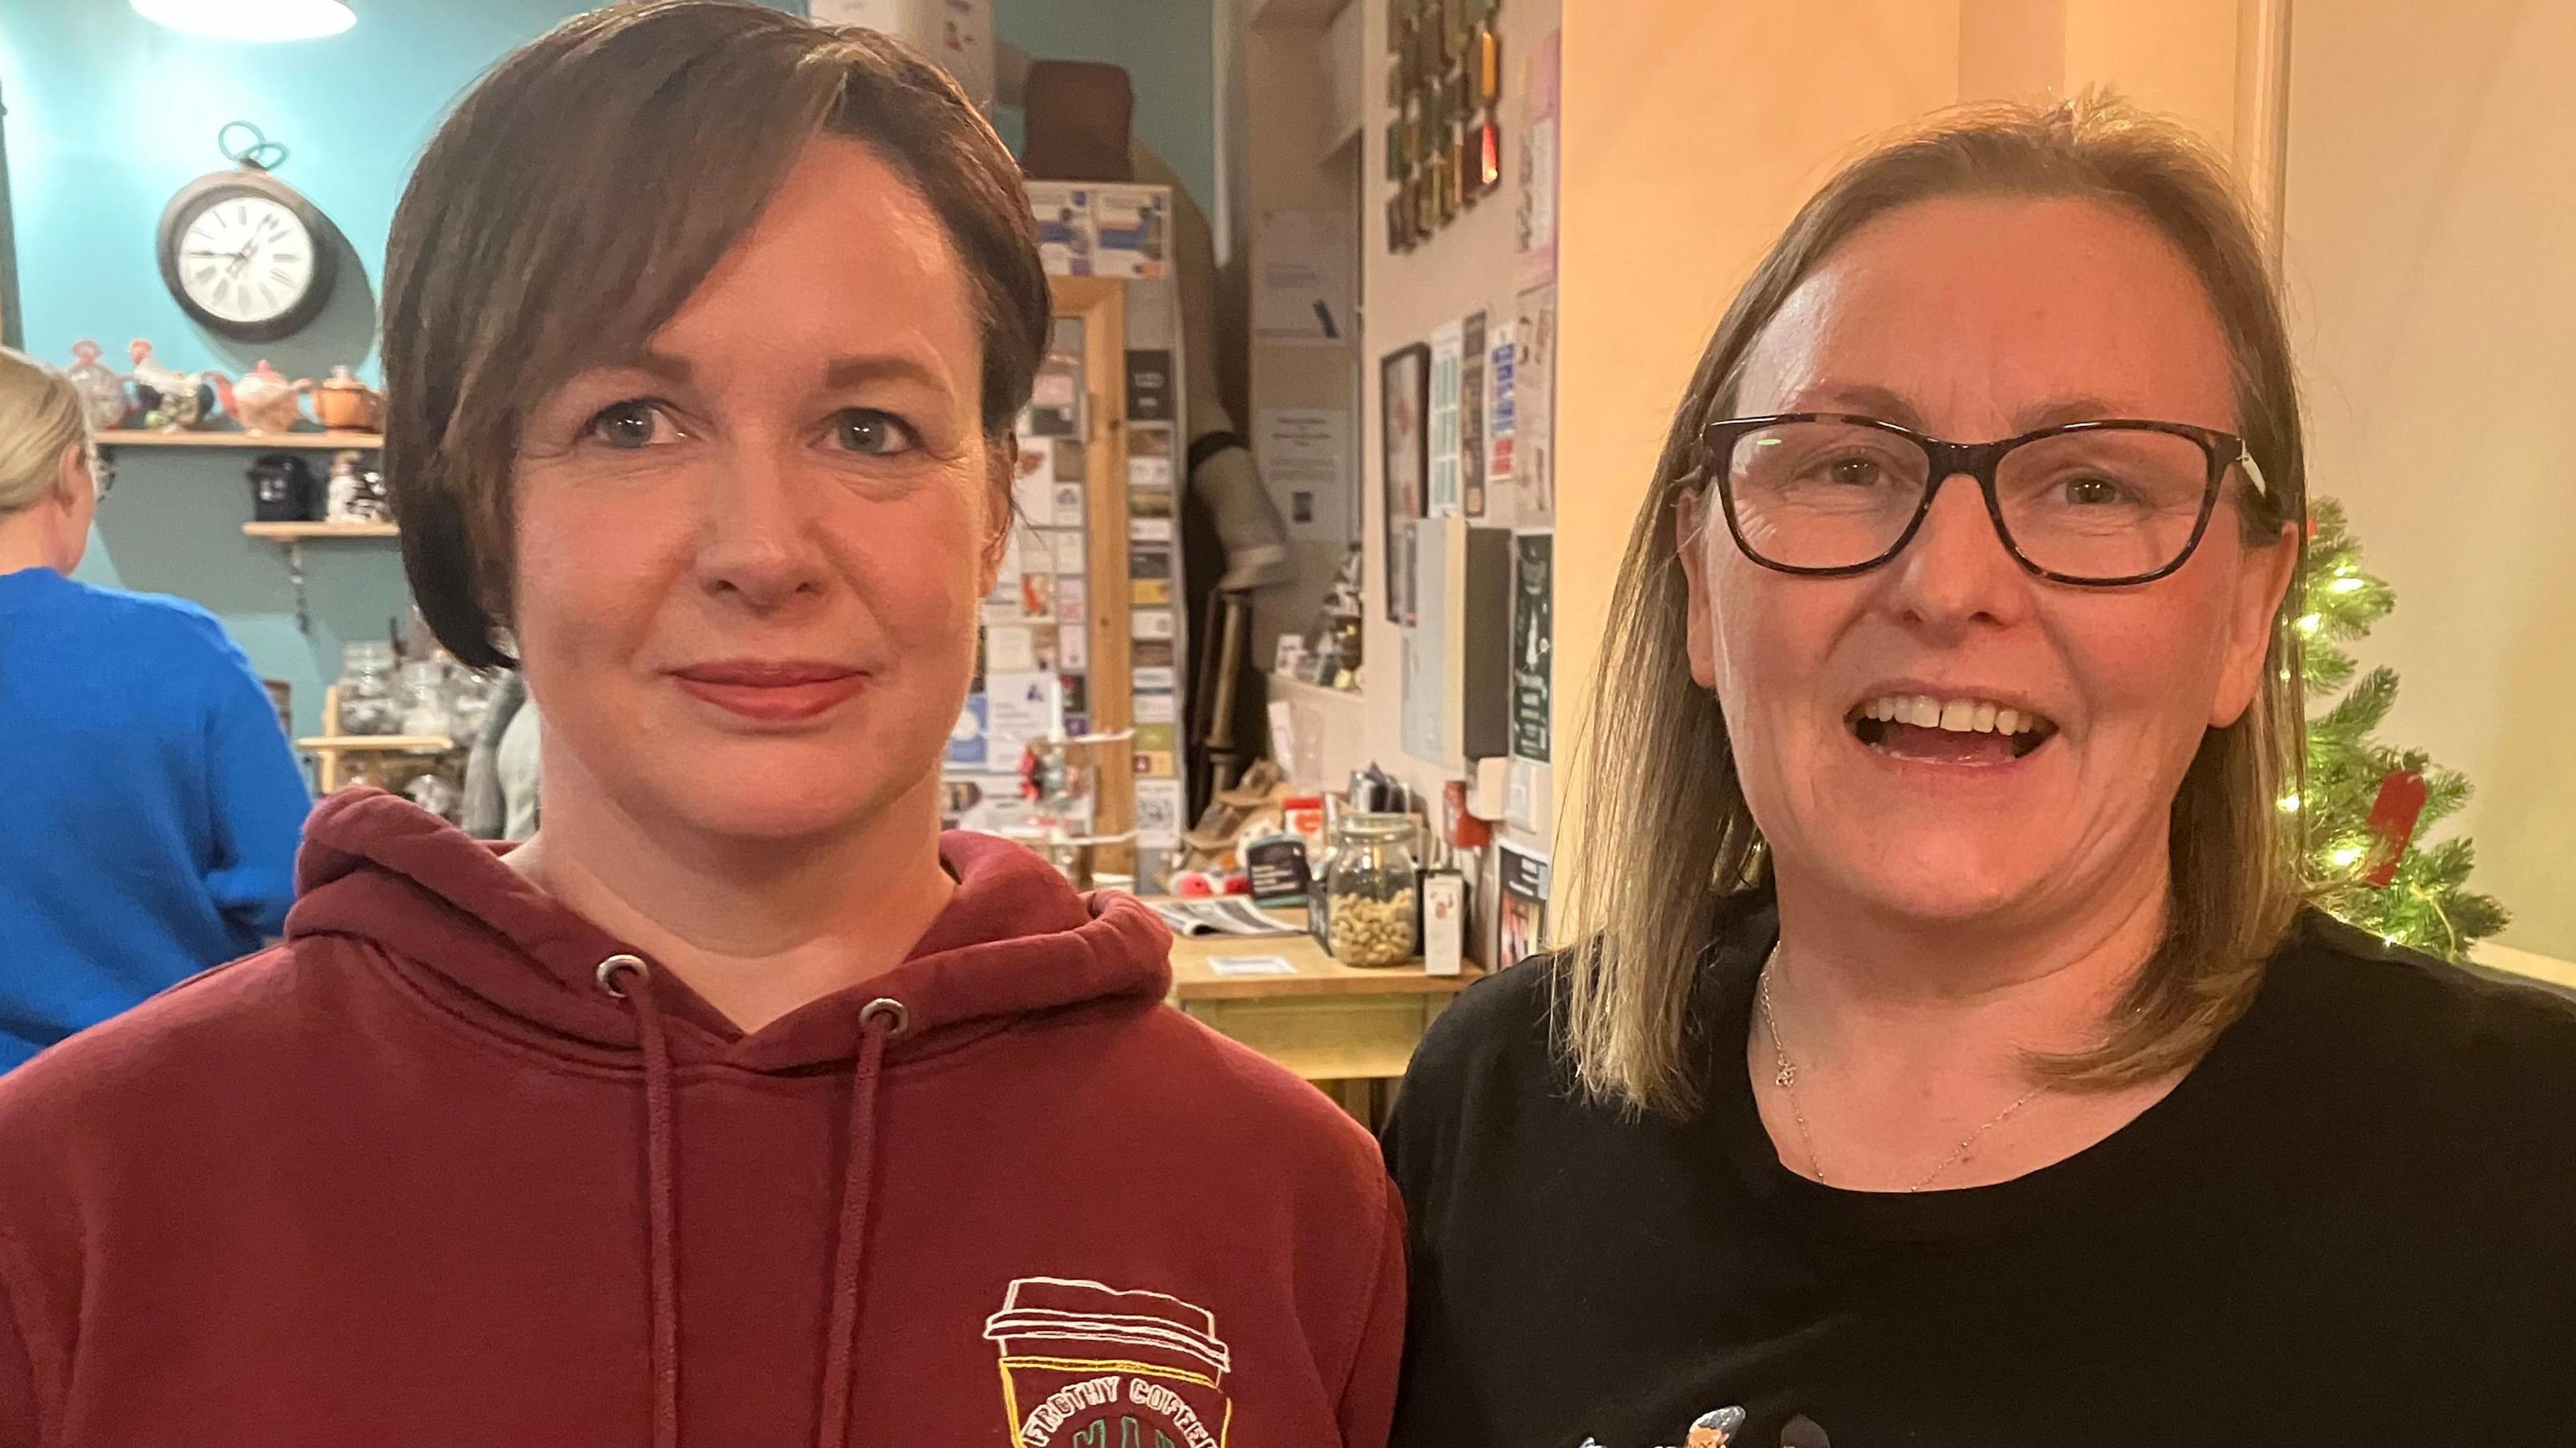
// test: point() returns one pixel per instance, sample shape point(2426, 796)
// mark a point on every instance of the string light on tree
point(2365, 806)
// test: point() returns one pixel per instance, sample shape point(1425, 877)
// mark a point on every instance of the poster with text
point(1534, 425)
point(1533, 642)
point(1019, 707)
point(1305, 455)
point(1446, 346)
point(1520, 919)
point(1502, 405)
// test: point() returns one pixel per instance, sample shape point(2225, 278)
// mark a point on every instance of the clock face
point(246, 256)
point(246, 259)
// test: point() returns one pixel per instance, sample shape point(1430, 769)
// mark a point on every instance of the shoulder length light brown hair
point(1666, 846)
point(580, 193)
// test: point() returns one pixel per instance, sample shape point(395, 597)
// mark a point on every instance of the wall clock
point(246, 255)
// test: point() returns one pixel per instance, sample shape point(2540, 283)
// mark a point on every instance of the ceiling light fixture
point(251, 19)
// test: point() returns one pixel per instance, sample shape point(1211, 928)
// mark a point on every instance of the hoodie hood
point(1016, 940)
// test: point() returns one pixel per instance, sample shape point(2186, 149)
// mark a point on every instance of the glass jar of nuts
point(1372, 890)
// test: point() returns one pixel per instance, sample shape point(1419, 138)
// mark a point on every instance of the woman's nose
point(1957, 571)
point(757, 542)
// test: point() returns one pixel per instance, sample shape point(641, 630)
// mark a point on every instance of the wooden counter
point(1327, 1022)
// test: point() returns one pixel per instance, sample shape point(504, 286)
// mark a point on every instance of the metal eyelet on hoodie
point(890, 1008)
point(614, 966)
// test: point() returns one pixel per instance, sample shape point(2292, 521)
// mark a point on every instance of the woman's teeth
point(1959, 716)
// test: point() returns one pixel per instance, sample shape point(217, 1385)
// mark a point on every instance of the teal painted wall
point(1169, 50)
point(109, 114)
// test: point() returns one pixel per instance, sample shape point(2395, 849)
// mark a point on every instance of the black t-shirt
point(2353, 1222)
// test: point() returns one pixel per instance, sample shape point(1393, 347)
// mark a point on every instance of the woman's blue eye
point(871, 433)
point(635, 423)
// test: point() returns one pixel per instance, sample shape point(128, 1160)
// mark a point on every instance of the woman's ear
point(74, 483)
point(1690, 540)
point(1000, 500)
point(2262, 582)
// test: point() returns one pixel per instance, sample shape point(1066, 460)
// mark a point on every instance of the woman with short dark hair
point(739, 1105)
point(1944, 1055)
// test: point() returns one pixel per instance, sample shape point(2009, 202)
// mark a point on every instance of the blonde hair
point(1669, 848)
point(40, 415)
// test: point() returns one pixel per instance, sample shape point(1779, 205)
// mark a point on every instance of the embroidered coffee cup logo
point(1088, 1366)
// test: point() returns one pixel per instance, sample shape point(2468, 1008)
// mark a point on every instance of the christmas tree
point(2365, 806)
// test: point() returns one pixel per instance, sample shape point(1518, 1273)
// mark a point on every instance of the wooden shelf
point(264, 441)
point(299, 532)
point(377, 744)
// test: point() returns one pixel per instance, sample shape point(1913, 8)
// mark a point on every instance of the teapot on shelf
point(176, 401)
point(345, 403)
point(265, 400)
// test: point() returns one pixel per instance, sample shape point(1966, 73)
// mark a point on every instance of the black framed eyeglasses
point(2100, 504)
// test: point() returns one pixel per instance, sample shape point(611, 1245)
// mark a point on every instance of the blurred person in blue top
point(150, 804)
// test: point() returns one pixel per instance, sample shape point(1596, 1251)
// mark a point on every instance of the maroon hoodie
point(453, 1167)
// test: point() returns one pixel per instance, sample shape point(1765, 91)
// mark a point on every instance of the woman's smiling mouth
point(1964, 729)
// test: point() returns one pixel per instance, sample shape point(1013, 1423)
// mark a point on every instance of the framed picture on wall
point(1404, 402)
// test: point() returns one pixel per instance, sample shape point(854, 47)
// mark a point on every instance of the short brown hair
point(1667, 845)
point(579, 195)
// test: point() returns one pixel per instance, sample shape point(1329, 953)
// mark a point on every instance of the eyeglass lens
point(2101, 504)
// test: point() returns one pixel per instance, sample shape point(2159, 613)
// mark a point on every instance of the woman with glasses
point(1943, 1054)
point(149, 804)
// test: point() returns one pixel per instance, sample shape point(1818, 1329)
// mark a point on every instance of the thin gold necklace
point(1786, 1078)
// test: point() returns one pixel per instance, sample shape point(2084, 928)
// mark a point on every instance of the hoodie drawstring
point(659, 1196)
point(880, 1021)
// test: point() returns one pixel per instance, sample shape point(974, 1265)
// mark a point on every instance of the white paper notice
point(1157, 708)
point(1007, 650)
point(1153, 624)
point(1072, 644)
point(1305, 455)
point(1158, 813)
point(1302, 294)
point(1062, 507)
point(1149, 530)
point(1021, 707)
point(1072, 602)
point(1066, 554)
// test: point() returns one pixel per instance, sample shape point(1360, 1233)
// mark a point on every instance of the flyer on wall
point(1533, 642)
point(1471, 416)
point(1520, 919)
point(1447, 346)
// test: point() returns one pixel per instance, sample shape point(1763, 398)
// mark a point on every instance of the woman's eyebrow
point(2058, 411)
point(852, 371)
point(1865, 398)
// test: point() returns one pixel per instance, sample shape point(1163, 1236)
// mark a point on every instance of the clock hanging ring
point(243, 253)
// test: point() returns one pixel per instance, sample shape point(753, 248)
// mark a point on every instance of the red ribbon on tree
point(2392, 818)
